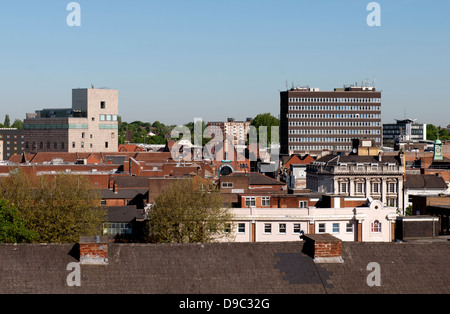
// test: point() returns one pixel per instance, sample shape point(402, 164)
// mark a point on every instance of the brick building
point(313, 121)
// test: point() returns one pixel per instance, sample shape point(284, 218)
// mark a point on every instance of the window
point(359, 187)
point(375, 187)
point(55, 145)
point(282, 228)
point(82, 135)
point(322, 228)
point(227, 184)
point(392, 187)
point(116, 228)
point(391, 202)
point(250, 202)
point(62, 145)
point(102, 105)
point(297, 229)
point(73, 144)
point(268, 228)
point(241, 228)
point(343, 187)
point(106, 145)
point(102, 117)
point(265, 201)
point(376, 226)
point(303, 204)
point(335, 227)
point(82, 144)
point(349, 228)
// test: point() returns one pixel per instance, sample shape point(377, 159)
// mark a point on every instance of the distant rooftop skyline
point(175, 60)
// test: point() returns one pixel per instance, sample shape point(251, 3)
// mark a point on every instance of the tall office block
point(314, 121)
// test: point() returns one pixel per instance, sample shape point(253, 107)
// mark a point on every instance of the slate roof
point(124, 213)
point(335, 159)
point(422, 181)
point(128, 193)
point(256, 178)
point(228, 268)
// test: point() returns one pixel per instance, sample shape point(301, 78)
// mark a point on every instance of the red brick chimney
point(94, 250)
point(323, 248)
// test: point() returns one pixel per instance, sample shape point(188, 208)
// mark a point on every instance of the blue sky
point(174, 60)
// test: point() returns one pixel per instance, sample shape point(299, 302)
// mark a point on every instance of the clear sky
point(175, 60)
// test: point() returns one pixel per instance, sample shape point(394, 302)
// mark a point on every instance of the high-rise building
point(314, 121)
point(235, 130)
point(91, 125)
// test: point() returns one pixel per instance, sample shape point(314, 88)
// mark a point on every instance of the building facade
point(312, 121)
point(372, 176)
point(89, 126)
point(11, 142)
point(406, 130)
point(236, 130)
point(370, 223)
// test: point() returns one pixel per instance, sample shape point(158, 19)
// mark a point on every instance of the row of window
point(56, 145)
point(334, 131)
point(335, 123)
point(335, 100)
point(320, 147)
point(334, 116)
point(250, 201)
point(14, 142)
point(9, 136)
point(360, 187)
point(319, 139)
point(108, 117)
point(14, 147)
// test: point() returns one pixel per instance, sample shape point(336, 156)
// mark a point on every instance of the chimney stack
point(94, 250)
point(323, 248)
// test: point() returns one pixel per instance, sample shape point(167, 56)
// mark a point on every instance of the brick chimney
point(94, 250)
point(323, 248)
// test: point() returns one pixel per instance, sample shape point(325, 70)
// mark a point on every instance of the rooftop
point(228, 268)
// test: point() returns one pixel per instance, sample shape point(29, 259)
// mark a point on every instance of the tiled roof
point(228, 268)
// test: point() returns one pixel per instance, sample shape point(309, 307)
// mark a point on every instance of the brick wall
point(323, 248)
point(93, 250)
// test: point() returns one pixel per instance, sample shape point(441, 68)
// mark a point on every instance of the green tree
point(18, 124)
point(7, 122)
point(13, 227)
point(58, 208)
point(435, 132)
point(267, 120)
point(184, 213)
